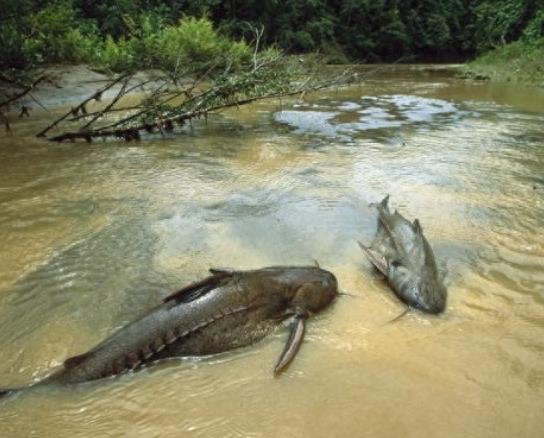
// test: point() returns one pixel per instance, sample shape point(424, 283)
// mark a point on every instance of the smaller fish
point(402, 254)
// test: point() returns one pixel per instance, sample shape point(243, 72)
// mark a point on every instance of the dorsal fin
point(384, 204)
point(216, 271)
point(417, 227)
point(197, 289)
point(384, 221)
point(74, 361)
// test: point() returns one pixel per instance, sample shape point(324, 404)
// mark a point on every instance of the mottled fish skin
point(228, 310)
point(403, 254)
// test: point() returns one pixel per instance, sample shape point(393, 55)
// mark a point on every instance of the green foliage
point(193, 42)
point(535, 28)
point(520, 61)
point(55, 32)
point(192, 46)
point(497, 22)
point(13, 51)
point(121, 34)
point(51, 34)
point(115, 55)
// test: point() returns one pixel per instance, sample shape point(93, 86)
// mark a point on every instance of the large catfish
point(227, 310)
point(402, 254)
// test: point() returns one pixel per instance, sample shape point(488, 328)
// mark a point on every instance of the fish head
point(420, 287)
point(313, 290)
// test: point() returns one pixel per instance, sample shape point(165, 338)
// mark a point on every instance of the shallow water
point(93, 235)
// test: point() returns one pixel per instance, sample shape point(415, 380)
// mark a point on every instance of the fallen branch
point(268, 75)
point(22, 93)
point(133, 132)
point(81, 107)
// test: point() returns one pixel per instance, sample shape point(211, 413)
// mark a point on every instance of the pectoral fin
point(293, 344)
point(378, 260)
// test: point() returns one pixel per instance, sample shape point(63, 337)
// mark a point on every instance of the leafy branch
point(169, 104)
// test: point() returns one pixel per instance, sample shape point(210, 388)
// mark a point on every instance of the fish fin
point(379, 261)
point(74, 361)
point(417, 227)
point(394, 240)
point(396, 318)
point(382, 205)
point(292, 346)
point(197, 289)
point(220, 271)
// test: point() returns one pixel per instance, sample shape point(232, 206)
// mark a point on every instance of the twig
point(82, 104)
point(120, 94)
point(23, 92)
point(5, 120)
point(258, 35)
point(38, 102)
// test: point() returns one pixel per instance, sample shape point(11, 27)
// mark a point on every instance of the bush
point(115, 55)
point(192, 46)
point(194, 43)
point(13, 50)
point(535, 28)
point(55, 34)
point(519, 61)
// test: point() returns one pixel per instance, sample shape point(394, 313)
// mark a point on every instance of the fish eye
point(395, 263)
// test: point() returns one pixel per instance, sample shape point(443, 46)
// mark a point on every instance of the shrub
point(55, 34)
point(194, 43)
point(115, 55)
point(14, 52)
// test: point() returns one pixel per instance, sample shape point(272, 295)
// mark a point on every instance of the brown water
point(92, 236)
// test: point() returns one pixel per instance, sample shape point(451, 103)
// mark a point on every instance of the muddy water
point(94, 235)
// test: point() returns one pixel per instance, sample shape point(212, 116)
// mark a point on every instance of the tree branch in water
point(269, 75)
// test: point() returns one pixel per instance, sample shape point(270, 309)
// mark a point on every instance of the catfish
point(227, 310)
point(403, 255)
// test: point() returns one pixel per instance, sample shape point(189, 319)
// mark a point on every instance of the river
point(93, 235)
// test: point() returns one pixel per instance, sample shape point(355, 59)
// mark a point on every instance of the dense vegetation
point(124, 33)
point(521, 61)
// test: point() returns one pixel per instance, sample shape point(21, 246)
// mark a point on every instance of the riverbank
point(519, 62)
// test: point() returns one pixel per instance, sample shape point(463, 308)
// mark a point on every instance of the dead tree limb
point(132, 132)
point(23, 92)
point(267, 75)
point(122, 91)
point(81, 106)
